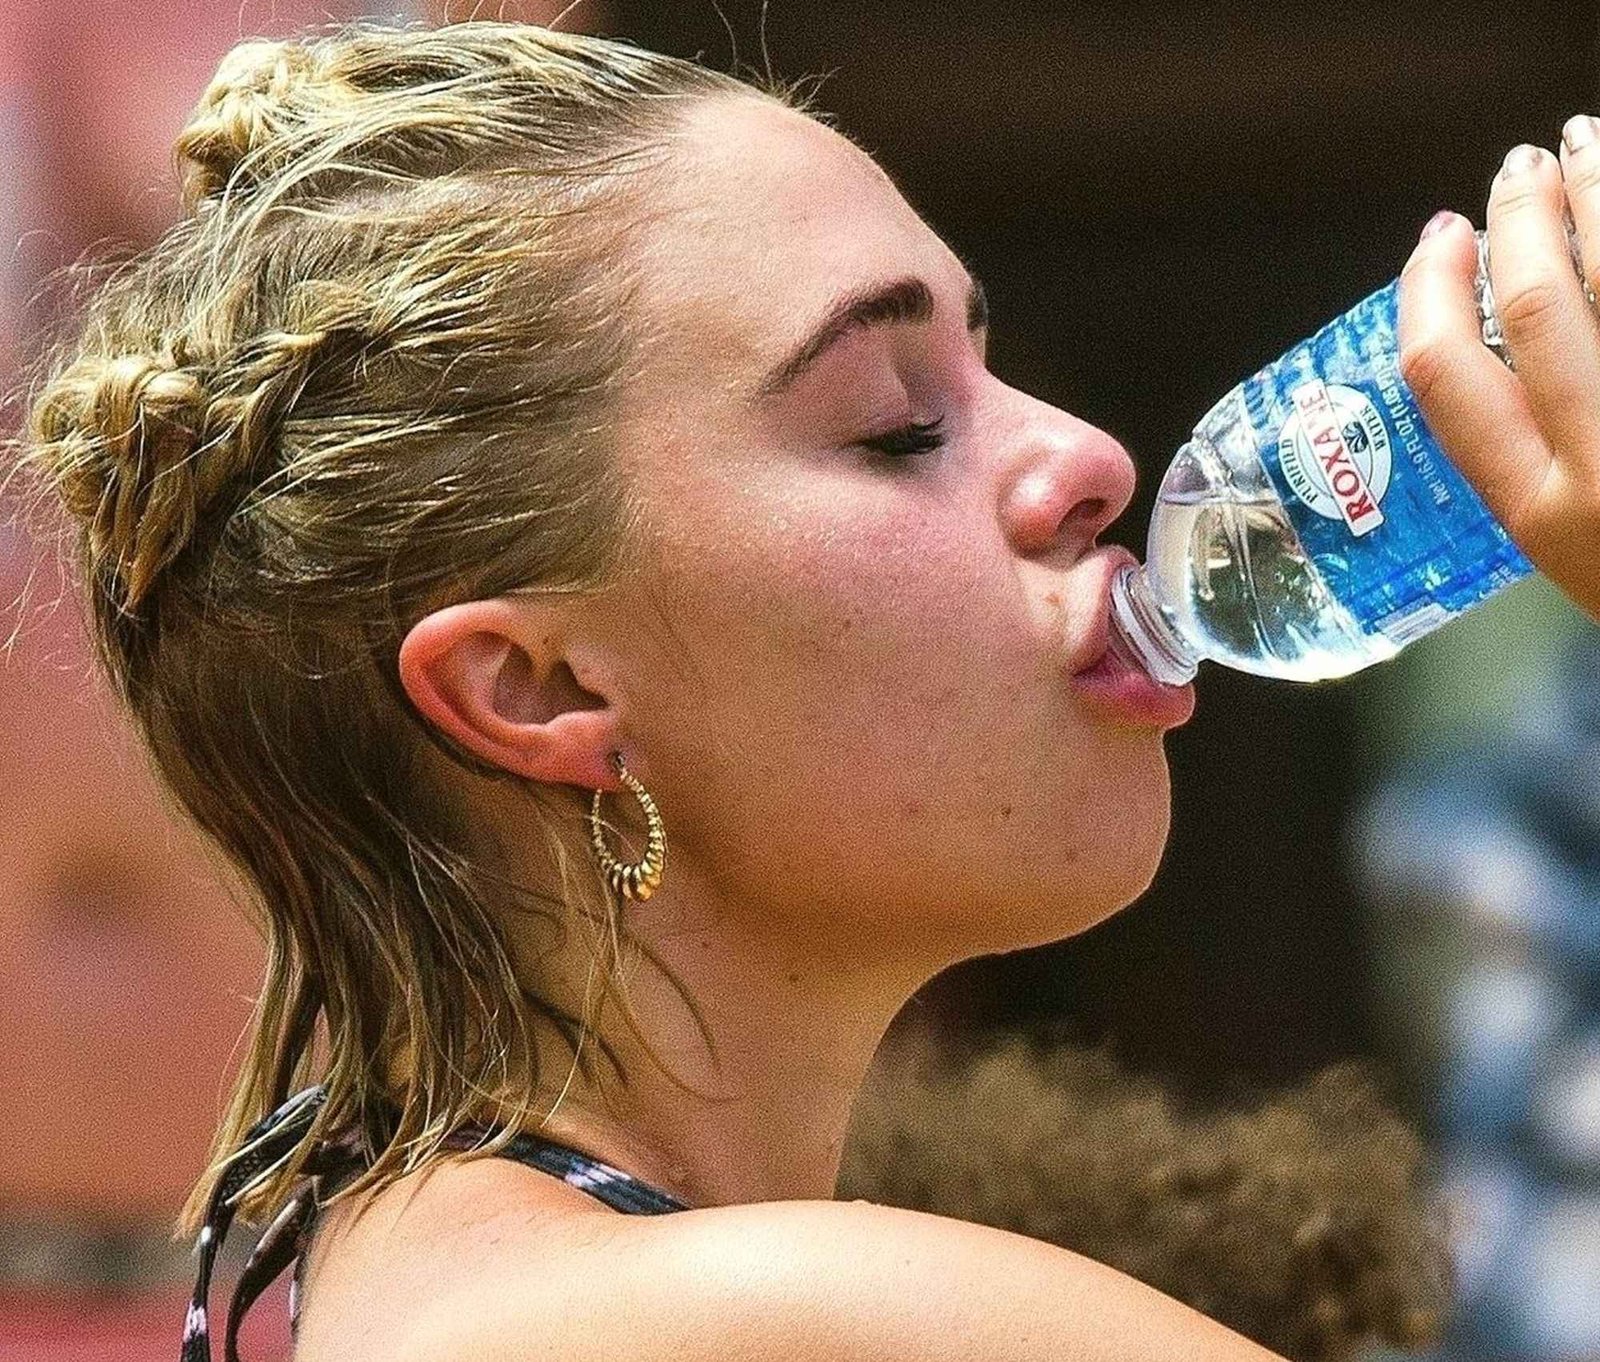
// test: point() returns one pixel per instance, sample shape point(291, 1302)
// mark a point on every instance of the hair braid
point(372, 372)
point(149, 445)
point(260, 90)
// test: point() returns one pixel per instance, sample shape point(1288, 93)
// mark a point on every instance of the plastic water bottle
point(1312, 525)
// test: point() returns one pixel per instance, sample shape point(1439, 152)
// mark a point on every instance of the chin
point(1118, 899)
point(1061, 920)
point(1109, 872)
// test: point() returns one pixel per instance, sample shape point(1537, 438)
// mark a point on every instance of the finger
point(1580, 172)
point(1550, 329)
point(1472, 403)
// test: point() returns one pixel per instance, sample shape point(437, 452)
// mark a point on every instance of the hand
point(1528, 440)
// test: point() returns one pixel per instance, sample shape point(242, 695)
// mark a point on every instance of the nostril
point(1090, 511)
point(1066, 492)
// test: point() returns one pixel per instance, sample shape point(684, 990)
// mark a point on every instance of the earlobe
point(474, 671)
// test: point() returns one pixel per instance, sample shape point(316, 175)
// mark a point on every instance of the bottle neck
point(1142, 634)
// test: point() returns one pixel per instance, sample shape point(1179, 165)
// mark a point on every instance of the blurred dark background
point(1159, 198)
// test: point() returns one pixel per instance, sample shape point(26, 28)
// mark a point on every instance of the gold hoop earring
point(638, 880)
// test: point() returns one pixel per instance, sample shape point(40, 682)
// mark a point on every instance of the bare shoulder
point(801, 1280)
point(378, 1263)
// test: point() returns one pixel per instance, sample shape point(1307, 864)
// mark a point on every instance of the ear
point(492, 675)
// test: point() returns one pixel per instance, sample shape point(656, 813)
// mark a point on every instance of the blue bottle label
point(1399, 537)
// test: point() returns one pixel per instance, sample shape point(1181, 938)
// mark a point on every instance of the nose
point(1066, 481)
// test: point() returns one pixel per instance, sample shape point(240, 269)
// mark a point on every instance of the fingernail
point(1581, 130)
point(1437, 223)
point(1520, 160)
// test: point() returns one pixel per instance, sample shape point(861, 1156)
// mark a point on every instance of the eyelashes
point(916, 438)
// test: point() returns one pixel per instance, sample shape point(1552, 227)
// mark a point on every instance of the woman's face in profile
point(852, 671)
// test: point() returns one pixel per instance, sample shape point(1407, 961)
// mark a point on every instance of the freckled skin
point(852, 663)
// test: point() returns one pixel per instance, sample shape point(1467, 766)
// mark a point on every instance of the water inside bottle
point(1236, 583)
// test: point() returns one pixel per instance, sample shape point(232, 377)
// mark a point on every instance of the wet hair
point(1304, 1219)
point(368, 374)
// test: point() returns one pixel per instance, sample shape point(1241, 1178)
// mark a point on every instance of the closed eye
point(916, 438)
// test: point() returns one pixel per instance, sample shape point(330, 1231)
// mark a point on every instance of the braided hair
point(366, 375)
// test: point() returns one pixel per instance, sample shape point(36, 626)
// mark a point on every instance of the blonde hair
point(367, 374)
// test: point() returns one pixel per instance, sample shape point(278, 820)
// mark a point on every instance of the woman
point(520, 420)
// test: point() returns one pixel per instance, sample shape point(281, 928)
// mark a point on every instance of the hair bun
point(141, 448)
point(121, 436)
point(257, 94)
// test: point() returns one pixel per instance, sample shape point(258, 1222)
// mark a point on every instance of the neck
point(763, 1108)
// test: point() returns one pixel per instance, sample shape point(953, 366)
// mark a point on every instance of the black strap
point(621, 1191)
point(267, 1145)
point(272, 1142)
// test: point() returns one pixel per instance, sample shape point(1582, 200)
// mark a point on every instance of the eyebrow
point(904, 301)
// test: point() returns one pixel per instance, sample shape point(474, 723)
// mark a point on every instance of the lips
point(1092, 648)
point(1108, 680)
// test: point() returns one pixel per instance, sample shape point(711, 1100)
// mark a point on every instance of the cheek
point(862, 689)
point(865, 627)
point(901, 656)
point(817, 638)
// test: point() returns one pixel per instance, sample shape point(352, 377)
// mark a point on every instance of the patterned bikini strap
point(272, 1142)
point(267, 1146)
